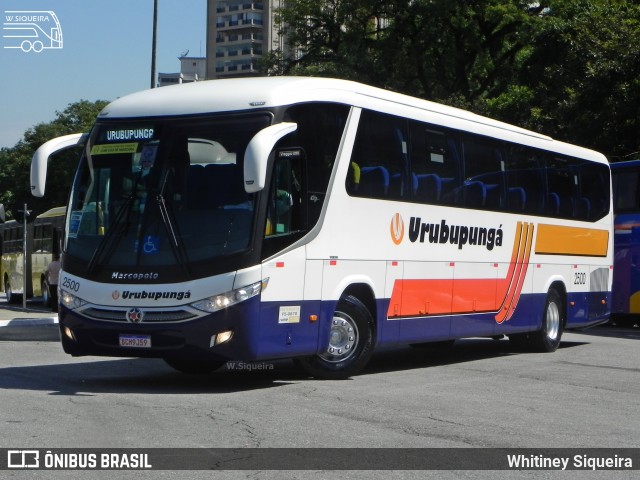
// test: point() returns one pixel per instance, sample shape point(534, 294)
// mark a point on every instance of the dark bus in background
point(625, 310)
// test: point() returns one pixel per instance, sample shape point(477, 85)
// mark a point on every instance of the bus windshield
point(162, 192)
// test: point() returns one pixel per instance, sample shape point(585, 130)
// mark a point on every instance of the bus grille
point(150, 316)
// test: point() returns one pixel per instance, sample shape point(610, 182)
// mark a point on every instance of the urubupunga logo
point(454, 234)
point(155, 295)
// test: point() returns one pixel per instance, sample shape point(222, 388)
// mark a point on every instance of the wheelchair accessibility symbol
point(150, 245)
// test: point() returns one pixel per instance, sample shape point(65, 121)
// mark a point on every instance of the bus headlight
point(224, 300)
point(70, 301)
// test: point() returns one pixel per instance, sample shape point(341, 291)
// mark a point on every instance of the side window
point(319, 132)
point(625, 190)
point(37, 243)
point(562, 184)
point(525, 189)
point(16, 243)
point(435, 164)
point(593, 193)
point(303, 162)
point(484, 173)
point(56, 236)
point(47, 240)
point(284, 211)
point(379, 164)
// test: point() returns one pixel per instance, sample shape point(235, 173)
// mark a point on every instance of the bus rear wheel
point(11, 297)
point(349, 346)
point(547, 339)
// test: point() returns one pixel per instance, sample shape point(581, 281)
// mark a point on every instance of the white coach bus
point(318, 219)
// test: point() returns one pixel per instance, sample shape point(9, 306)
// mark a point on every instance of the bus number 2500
point(70, 284)
point(579, 278)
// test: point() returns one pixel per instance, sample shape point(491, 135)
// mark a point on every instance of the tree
point(585, 75)
point(567, 68)
point(436, 49)
point(16, 161)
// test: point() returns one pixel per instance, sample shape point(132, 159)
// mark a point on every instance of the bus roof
point(625, 164)
point(54, 212)
point(257, 93)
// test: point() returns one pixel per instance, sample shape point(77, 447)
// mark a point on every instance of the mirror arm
point(257, 153)
point(41, 157)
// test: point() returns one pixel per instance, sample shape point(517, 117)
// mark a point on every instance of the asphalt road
point(479, 393)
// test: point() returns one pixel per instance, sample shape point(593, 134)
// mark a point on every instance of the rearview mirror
point(41, 157)
point(257, 153)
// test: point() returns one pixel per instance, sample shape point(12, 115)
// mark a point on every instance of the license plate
point(135, 341)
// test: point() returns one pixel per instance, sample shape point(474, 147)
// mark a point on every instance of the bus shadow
point(613, 331)
point(152, 376)
point(462, 351)
point(147, 376)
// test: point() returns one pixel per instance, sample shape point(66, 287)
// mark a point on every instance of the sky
point(105, 54)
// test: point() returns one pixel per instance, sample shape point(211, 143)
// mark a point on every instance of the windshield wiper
point(171, 228)
point(117, 227)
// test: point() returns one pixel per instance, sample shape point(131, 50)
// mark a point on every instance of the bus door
point(291, 301)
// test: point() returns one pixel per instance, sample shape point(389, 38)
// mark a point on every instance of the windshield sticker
point(74, 224)
point(148, 157)
point(150, 245)
point(114, 149)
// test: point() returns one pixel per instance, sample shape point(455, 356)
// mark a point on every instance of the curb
point(44, 328)
point(24, 322)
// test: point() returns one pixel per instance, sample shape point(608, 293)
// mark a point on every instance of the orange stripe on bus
point(422, 297)
point(626, 226)
point(561, 240)
point(523, 245)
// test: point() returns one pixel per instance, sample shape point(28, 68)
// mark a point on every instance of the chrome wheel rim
point(343, 339)
point(553, 321)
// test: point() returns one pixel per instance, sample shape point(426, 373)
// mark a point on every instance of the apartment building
point(239, 33)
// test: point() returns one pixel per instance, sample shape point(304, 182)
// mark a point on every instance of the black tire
point(12, 298)
point(349, 346)
point(547, 339)
point(197, 367)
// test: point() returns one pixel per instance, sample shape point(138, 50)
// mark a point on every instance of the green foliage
point(431, 48)
point(16, 161)
point(586, 73)
point(567, 68)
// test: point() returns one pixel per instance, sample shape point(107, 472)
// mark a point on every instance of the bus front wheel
point(349, 346)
